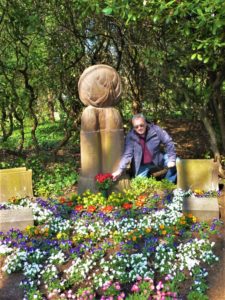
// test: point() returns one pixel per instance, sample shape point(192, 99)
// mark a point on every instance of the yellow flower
point(134, 238)
point(161, 226)
point(194, 219)
point(149, 229)
point(164, 232)
point(59, 235)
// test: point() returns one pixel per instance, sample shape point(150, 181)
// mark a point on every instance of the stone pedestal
point(197, 174)
point(101, 144)
point(15, 218)
point(15, 182)
point(203, 208)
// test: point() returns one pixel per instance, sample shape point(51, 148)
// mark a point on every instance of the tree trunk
point(213, 142)
point(20, 120)
point(216, 80)
point(212, 136)
point(219, 106)
point(51, 108)
point(32, 100)
point(6, 134)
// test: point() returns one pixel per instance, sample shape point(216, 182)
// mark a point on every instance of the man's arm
point(166, 139)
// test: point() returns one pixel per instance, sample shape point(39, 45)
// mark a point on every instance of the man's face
point(139, 126)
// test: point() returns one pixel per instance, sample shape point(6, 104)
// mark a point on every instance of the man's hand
point(171, 164)
point(116, 174)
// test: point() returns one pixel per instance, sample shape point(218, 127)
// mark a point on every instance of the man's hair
point(138, 116)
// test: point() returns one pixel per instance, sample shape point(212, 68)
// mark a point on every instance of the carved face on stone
point(99, 86)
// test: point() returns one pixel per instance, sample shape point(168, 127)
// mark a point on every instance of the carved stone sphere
point(99, 86)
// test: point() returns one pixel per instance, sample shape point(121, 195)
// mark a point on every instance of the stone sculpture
point(102, 135)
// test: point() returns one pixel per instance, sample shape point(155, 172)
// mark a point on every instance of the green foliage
point(195, 295)
point(49, 178)
point(52, 179)
point(141, 185)
point(48, 135)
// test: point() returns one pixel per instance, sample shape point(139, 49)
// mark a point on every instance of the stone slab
point(197, 174)
point(12, 170)
point(15, 218)
point(203, 208)
point(15, 183)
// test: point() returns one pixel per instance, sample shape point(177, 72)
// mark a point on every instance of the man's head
point(139, 124)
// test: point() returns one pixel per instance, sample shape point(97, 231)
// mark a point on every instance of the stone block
point(15, 218)
point(197, 174)
point(15, 183)
point(203, 208)
point(221, 201)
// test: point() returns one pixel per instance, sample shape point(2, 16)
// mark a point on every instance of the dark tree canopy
point(170, 55)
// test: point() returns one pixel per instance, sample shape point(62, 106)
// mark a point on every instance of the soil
point(191, 141)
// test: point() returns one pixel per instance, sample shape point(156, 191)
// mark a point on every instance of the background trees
point(170, 55)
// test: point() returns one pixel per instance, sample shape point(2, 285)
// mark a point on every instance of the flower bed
point(136, 245)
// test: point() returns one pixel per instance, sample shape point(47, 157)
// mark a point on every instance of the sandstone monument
point(102, 135)
point(200, 174)
point(15, 183)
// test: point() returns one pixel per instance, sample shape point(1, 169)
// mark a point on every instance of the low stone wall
point(15, 218)
point(203, 208)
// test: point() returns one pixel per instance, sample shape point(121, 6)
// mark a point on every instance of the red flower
point(91, 208)
point(127, 205)
point(79, 207)
point(103, 177)
point(107, 209)
point(103, 181)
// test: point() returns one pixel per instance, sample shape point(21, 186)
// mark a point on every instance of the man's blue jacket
point(154, 138)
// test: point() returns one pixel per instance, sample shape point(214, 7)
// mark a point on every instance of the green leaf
point(107, 11)
point(199, 57)
point(193, 56)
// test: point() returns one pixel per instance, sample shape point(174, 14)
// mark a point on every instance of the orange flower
point(182, 222)
point(142, 197)
point(107, 209)
point(149, 229)
point(127, 205)
point(164, 232)
point(62, 200)
point(161, 226)
point(139, 202)
point(91, 208)
point(79, 207)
